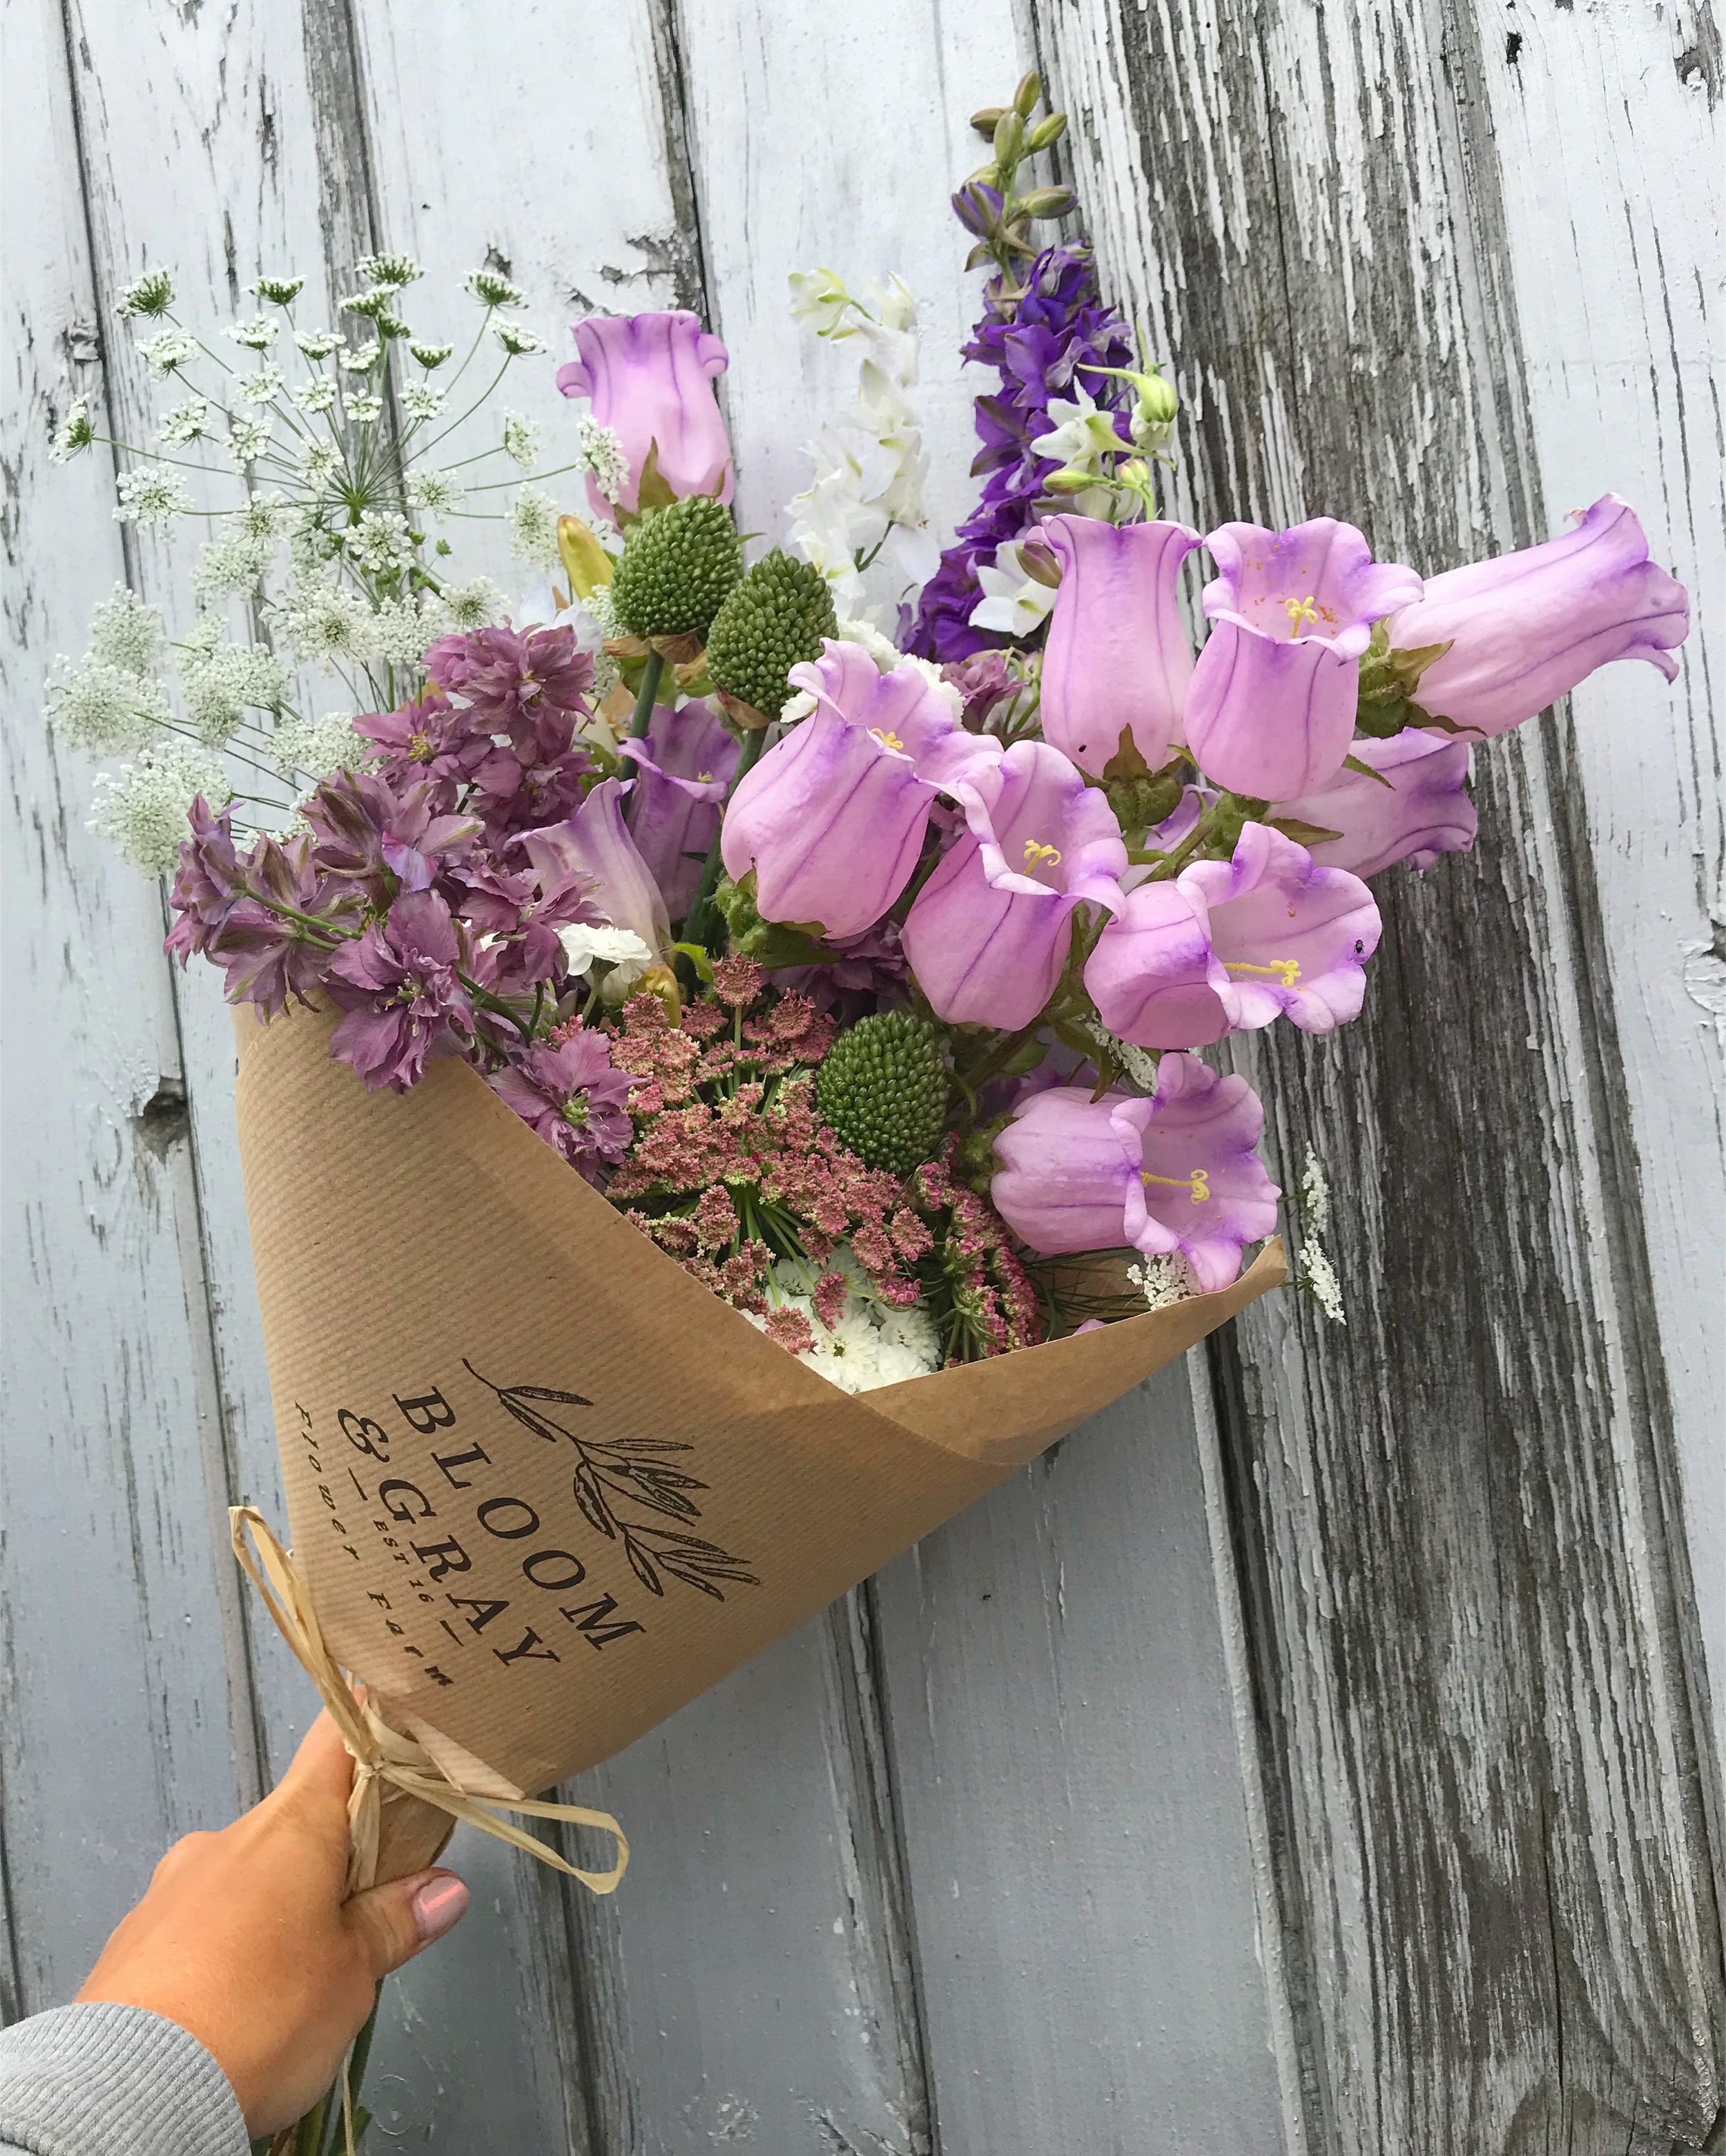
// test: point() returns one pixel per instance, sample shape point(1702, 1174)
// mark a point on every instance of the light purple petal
point(1118, 657)
point(1422, 812)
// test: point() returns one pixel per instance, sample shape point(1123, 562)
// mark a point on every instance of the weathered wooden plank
point(1463, 1589)
point(117, 1733)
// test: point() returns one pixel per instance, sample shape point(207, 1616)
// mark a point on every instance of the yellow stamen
point(1035, 854)
point(1300, 610)
point(1287, 970)
point(419, 748)
point(1197, 1185)
point(887, 738)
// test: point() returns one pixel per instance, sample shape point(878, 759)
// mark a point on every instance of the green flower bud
point(772, 621)
point(988, 120)
point(1029, 95)
point(882, 1090)
point(1047, 202)
point(1048, 130)
point(1009, 140)
point(1071, 478)
point(676, 568)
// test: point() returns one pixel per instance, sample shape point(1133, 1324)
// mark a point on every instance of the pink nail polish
point(438, 1905)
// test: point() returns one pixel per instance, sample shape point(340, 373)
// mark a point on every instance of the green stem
point(356, 2059)
point(752, 743)
point(648, 694)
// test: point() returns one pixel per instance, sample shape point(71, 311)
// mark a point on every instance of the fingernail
point(438, 1905)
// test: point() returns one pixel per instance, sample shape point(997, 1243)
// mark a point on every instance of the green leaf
point(1304, 834)
point(1365, 771)
point(1128, 761)
point(654, 491)
point(699, 958)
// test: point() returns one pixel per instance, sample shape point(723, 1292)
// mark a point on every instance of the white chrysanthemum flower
point(152, 294)
point(421, 402)
point(885, 654)
point(316, 396)
point(149, 496)
point(317, 344)
point(430, 355)
point(221, 685)
point(321, 747)
point(380, 543)
point(394, 272)
point(1163, 1281)
point(516, 338)
point(458, 609)
point(188, 421)
point(75, 432)
point(100, 706)
point(162, 354)
point(600, 449)
point(521, 440)
point(533, 528)
point(230, 566)
point(362, 358)
point(278, 291)
point(400, 632)
point(438, 493)
point(249, 439)
point(257, 335)
point(496, 291)
point(628, 954)
point(325, 621)
point(142, 808)
point(366, 409)
point(125, 632)
point(262, 387)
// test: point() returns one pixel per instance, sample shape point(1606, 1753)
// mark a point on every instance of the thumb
point(395, 1921)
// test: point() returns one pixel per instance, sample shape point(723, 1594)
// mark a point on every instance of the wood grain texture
point(1463, 1565)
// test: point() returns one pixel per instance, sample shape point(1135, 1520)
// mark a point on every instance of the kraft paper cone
point(543, 1487)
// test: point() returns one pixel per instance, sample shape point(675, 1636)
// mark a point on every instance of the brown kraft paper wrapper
point(544, 1488)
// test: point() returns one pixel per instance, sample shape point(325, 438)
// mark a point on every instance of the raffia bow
point(384, 1757)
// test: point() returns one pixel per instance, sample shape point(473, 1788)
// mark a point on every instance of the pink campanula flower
point(1118, 656)
point(989, 933)
point(651, 377)
point(831, 820)
point(683, 766)
point(401, 994)
point(1229, 945)
point(1524, 629)
point(1178, 1172)
point(1423, 810)
point(595, 844)
point(1270, 707)
point(569, 1093)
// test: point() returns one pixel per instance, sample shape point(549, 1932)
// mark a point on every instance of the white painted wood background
point(1313, 1754)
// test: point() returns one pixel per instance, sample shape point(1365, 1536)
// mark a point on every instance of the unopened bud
point(1047, 202)
point(1038, 561)
point(1009, 138)
point(657, 981)
point(1135, 472)
point(1157, 402)
point(1029, 95)
point(1071, 478)
point(587, 562)
point(1047, 130)
point(986, 121)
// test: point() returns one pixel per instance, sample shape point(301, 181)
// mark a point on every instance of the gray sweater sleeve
point(113, 2080)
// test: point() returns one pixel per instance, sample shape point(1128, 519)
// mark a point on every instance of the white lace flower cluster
point(1314, 1269)
point(864, 508)
point(873, 1343)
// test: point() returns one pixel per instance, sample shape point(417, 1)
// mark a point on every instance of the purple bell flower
point(989, 933)
point(1270, 707)
point(651, 377)
point(594, 843)
point(1175, 1174)
point(1118, 657)
point(1422, 811)
point(683, 767)
point(832, 819)
point(1524, 629)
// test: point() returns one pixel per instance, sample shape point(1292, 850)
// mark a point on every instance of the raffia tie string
point(382, 1755)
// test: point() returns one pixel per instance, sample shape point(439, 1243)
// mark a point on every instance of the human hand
point(243, 1937)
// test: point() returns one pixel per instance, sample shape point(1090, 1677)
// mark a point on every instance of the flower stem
point(648, 694)
point(694, 925)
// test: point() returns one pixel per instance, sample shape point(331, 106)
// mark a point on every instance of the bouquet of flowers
point(761, 1001)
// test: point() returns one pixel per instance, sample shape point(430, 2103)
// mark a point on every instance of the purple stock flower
point(651, 377)
point(1422, 811)
point(832, 819)
point(432, 739)
point(515, 915)
point(531, 687)
point(521, 788)
point(572, 1098)
point(208, 882)
point(1177, 1174)
point(400, 992)
point(1228, 945)
point(1118, 659)
point(1524, 629)
point(1270, 707)
point(366, 831)
point(266, 955)
point(595, 844)
point(683, 766)
point(989, 933)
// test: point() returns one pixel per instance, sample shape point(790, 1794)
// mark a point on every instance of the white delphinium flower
point(393, 271)
point(820, 300)
point(381, 543)
point(278, 291)
point(521, 440)
point(317, 344)
point(149, 496)
point(438, 493)
point(362, 358)
point(188, 421)
point(421, 402)
point(316, 396)
point(152, 294)
point(460, 609)
point(325, 621)
point(125, 632)
point(142, 807)
point(495, 290)
point(533, 528)
point(1163, 1281)
point(257, 335)
point(264, 387)
point(100, 707)
point(1014, 603)
point(162, 354)
point(366, 409)
point(1083, 431)
point(75, 432)
point(221, 685)
point(321, 747)
point(1314, 1269)
point(228, 566)
point(249, 439)
point(600, 450)
point(516, 338)
point(430, 355)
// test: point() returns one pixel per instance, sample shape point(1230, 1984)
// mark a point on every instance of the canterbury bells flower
point(683, 766)
point(1270, 707)
point(1174, 1173)
point(651, 377)
point(1119, 655)
point(1524, 629)
point(1421, 811)
point(989, 933)
point(1229, 944)
point(595, 844)
point(831, 820)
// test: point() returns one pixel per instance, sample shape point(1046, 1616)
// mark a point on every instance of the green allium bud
point(773, 620)
point(677, 566)
point(882, 1091)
